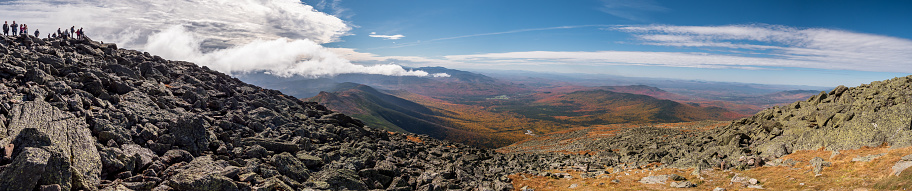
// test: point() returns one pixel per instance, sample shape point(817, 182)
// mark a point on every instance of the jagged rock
point(339, 179)
point(74, 158)
point(661, 179)
point(682, 184)
point(290, 166)
point(313, 161)
point(272, 145)
point(26, 169)
point(202, 174)
point(867, 158)
point(144, 155)
point(192, 133)
point(274, 183)
point(52, 187)
point(818, 164)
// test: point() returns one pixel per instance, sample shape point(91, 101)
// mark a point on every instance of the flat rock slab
point(74, 158)
point(900, 166)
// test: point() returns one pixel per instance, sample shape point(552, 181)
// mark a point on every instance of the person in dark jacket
point(36, 33)
point(15, 28)
point(5, 28)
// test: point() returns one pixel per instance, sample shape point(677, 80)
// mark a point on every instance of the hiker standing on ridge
point(80, 34)
point(5, 29)
point(24, 29)
point(73, 30)
point(36, 33)
point(59, 34)
point(15, 28)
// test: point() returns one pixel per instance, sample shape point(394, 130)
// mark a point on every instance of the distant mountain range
point(484, 111)
point(506, 119)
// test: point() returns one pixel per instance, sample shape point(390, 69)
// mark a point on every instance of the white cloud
point(387, 37)
point(280, 36)
point(749, 47)
point(440, 75)
point(282, 57)
point(814, 47)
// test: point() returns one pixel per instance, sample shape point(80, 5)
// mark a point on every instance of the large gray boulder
point(73, 155)
point(202, 174)
point(290, 166)
point(26, 170)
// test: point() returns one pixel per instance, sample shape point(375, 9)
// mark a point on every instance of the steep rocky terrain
point(82, 115)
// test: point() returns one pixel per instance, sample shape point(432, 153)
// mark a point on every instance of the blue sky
point(438, 30)
point(820, 43)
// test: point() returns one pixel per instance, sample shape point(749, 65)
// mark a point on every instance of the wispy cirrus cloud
point(636, 10)
point(491, 33)
point(749, 47)
point(814, 47)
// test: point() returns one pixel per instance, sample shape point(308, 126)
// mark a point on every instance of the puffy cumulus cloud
point(282, 57)
point(280, 36)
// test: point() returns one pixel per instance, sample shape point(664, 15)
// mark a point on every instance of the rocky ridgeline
point(869, 115)
point(83, 115)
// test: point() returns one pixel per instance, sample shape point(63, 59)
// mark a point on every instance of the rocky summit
point(84, 115)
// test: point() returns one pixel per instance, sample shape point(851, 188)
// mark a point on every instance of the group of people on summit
point(22, 29)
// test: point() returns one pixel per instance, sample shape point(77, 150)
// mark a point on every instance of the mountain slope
point(82, 115)
point(436, 118)
point(845, 138)
point(869, 115)
point(381, 110)
point(592, 107)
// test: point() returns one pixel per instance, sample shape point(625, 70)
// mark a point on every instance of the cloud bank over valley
point(282, 37)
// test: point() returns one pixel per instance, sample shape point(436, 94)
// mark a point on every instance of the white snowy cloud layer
point(283, 37)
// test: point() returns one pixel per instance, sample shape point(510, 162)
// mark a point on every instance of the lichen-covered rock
point(290, 166)
point(74, 158)
point(202, 174)
point(339, 179)
point(25, 170)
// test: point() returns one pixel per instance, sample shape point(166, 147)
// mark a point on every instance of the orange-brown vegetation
point(842, 174)
point(414, 139)
point(549, 141)
point(501, 128)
